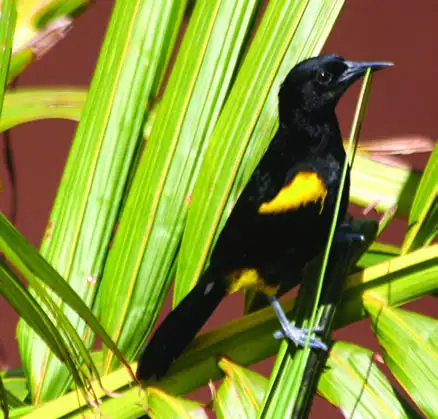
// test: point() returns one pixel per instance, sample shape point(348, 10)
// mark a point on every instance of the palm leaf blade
point(410, 345)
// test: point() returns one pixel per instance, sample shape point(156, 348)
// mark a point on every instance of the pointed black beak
point(356, 69)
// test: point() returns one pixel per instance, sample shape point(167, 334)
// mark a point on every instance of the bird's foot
point(279, 334)
point(299, 336)
point(295, 334)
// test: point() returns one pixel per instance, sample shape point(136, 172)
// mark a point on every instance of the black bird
point(282, 218)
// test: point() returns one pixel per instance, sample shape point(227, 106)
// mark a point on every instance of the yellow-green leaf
point(241, 393)
point(410, 349)
point(354, 383)
point(27, 105)
point(423, 218)
point(382, 185)
point(37, 271)
point(55, 337)
point(16, 387)
point(161, 405)
point(378, 253)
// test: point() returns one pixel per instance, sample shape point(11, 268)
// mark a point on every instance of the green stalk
point(26, 105)
point(343, 256)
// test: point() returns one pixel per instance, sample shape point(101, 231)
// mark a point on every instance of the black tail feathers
point(180, 327)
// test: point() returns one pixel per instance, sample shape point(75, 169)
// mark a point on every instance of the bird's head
point(317, 84)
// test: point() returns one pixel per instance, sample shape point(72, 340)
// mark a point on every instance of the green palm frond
point(130, 215)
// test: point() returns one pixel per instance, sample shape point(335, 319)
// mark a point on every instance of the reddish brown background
point(403, 101)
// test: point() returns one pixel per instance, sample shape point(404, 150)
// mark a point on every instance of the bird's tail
point(180, 327)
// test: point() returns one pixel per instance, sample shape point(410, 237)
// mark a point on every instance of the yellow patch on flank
point(305, 187)
point(249, 278)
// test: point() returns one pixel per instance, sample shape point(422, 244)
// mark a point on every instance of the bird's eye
point(324, 77)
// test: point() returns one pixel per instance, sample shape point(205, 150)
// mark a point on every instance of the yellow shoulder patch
point(249, 278)
point(304, 188)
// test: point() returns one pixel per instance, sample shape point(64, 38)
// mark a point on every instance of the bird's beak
point(356, 69)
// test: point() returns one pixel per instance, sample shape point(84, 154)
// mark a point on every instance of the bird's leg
point(295, 334)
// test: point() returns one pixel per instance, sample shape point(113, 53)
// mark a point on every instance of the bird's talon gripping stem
point(279, 334)
point(295, 334)
point(316, 330)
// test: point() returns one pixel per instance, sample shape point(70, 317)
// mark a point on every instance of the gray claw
point(299, 336)
point(295, 334)
point(279, 334)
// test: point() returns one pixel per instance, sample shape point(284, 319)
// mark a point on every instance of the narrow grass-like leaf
point(34, 268)
point(161, 405)
point(395, 282)
point(141, 262)
point(19, 62)
point(12, 401)
point(20, 412)
point(54, 9)
point(4, 400)
point(378, 253)
point(133, 402)
point(353, 382)
point(287, 374)
point(386, 219)
point(423, 218)
point(27, 105)
point(28, 308)
point(249, 339)
point(241, 393)
point(17, 388)
point(8, 17)
point(76, 242)
point(410, 349)
point(154, 401)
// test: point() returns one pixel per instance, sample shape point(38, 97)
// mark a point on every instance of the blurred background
point(402, 103)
